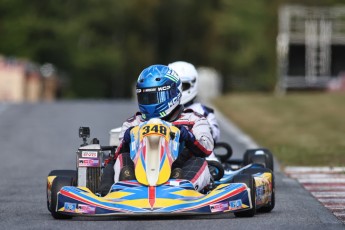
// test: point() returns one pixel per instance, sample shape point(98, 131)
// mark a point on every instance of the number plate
point(154, 129)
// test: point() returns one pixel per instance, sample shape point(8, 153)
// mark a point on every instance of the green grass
point(301, 129)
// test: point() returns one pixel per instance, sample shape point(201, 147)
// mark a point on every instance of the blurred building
point(310, 46)
point(23, 81)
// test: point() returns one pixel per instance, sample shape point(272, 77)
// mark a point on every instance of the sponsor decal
point(83, 162)
point(173, 101)
point(219, 207)
point(260, 190)
point(149, 90)
point(260, 194)
point(90, 154)
point(163, 88)
point(70, 207)
point(235, 204)
point(155, 89)
point(86, 209)
point(174, 183)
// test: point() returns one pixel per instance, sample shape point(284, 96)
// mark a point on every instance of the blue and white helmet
point(158, 91)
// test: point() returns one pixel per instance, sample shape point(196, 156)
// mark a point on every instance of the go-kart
point(154, 147)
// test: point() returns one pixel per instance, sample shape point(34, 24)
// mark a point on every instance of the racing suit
point(192, 161)
point(211, 118)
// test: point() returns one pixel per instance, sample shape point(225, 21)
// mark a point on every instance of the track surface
point(37, 138)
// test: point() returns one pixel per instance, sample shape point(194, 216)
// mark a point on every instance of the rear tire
point(250, 182)
point(259, 156)
point(223, 157)
point(216, 170)
point(58, 183)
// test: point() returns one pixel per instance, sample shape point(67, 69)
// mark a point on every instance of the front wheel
point(250, 182)
point(270, 205)
point(65, 173)
point(58, 183)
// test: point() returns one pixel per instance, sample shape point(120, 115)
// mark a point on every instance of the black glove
point(185, 135)
point(127, 135)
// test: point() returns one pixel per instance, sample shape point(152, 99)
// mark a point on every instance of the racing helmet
point(188, 75)
point(158, 91)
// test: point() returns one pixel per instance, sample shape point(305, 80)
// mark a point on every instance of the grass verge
point(306, 129)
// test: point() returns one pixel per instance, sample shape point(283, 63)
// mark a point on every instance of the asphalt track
point(37, 138)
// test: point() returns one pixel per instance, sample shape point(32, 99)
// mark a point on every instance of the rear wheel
point(259, 156)
point(216, 169)
point(250, 182)
point(223, 151)
point(58, 183)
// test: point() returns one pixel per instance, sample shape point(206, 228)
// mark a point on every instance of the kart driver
point(159, 92)
point(189, 78)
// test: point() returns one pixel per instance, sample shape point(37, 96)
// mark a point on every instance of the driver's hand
point(185, 135)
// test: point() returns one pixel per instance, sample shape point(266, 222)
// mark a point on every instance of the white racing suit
point(192, 161)
point(211, 118)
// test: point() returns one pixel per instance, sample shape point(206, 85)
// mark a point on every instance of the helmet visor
point(185, 86)
point(149, 98)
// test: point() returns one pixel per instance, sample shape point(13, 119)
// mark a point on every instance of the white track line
point(321, 180)
point(314, 169)
point(328, 194)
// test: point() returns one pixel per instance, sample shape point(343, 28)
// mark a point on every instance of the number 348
point(149, 129)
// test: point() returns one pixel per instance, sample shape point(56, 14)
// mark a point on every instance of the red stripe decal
point(201, 170)
point(162, 151)
point(233, 193)
point(78, 198)
point(152, 196)
point(144, 152)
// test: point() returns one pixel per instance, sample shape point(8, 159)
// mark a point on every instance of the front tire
point(250, 182)
point(64, 173)
point(58, 183)
point(269, 207)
